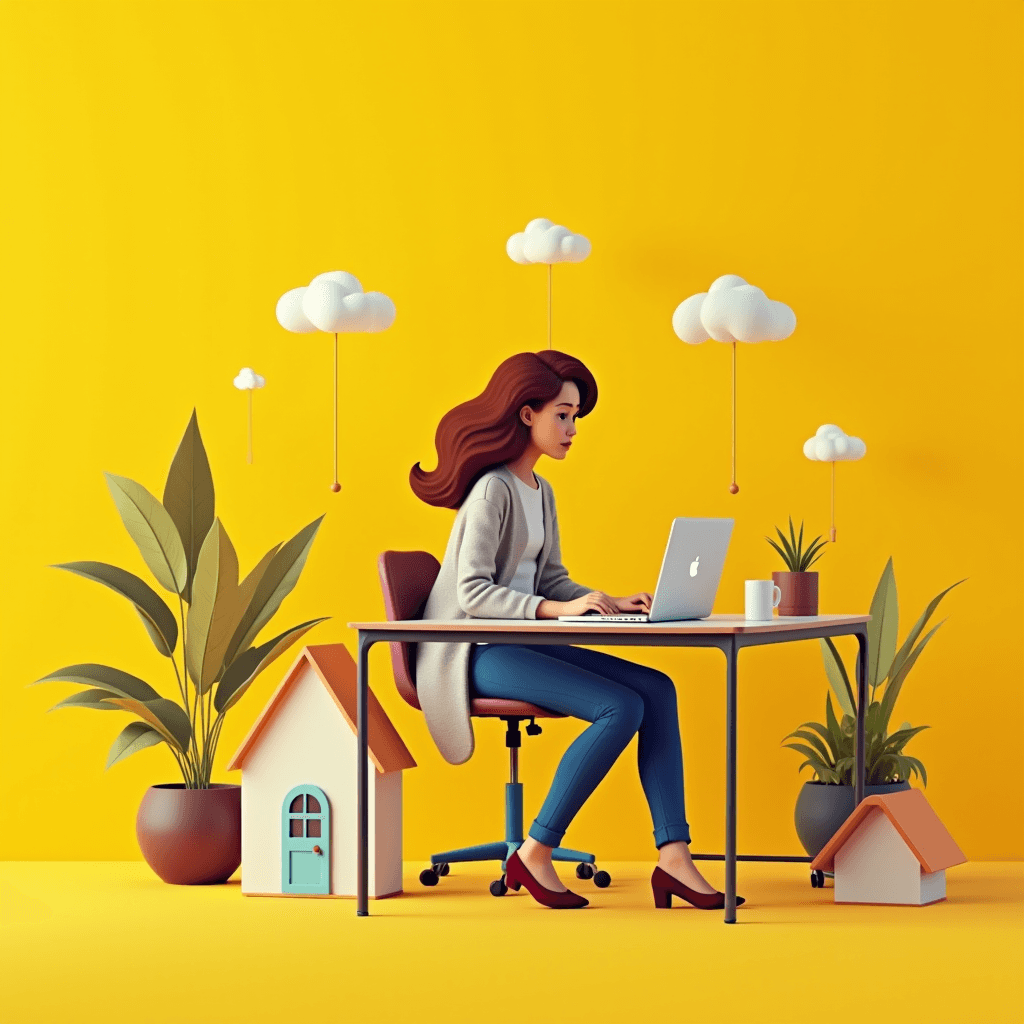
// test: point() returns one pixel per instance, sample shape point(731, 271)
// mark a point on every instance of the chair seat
point(493, 707)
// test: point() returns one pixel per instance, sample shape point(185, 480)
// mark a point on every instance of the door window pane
point(295, 828)
point(313, 828)
point(312, 805)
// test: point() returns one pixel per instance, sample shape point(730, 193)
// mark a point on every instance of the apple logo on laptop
point(694, 566)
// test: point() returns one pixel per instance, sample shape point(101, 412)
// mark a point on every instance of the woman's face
point(553, 428)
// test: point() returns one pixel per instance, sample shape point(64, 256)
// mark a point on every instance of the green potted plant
point(799, 587)
point(830, 748)
point(189, 832)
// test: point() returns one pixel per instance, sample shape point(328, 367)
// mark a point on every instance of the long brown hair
point(487, 430)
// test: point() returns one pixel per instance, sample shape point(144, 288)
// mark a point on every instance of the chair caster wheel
point(428, 876)
point(442, 869)
point(602, 879)
point(584, 871)
point(499, 888)
point(817, 880)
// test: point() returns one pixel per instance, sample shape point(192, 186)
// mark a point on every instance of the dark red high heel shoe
point(517, 874)
point(665, 887)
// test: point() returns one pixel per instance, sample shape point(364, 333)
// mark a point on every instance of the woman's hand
point(634, 603)
point(595, 600)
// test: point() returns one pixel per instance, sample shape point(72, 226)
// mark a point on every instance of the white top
point(526, 571)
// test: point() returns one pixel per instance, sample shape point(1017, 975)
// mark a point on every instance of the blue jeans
point(620, 699)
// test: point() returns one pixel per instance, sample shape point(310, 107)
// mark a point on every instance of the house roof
point(337, 671)
point(915, 821)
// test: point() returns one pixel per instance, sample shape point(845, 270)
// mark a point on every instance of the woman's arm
point(478, 594)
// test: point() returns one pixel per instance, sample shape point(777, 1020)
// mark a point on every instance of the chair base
point(502, 851)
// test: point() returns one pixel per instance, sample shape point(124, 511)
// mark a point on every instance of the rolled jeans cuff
point(671, 834)
point(545, 835)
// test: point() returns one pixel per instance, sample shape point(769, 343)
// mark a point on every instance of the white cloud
point(248, 379)
point(830, 444)
point(732, 310)
point(334, 302)
point(544, 242)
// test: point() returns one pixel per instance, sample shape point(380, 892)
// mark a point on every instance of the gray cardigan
point(488, 539)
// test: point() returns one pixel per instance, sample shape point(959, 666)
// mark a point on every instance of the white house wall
point(875, 865)
point(308, 741)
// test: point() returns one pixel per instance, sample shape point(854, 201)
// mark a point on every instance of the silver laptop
point(689, 575)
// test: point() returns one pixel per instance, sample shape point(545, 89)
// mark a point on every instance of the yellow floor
point(109, 942)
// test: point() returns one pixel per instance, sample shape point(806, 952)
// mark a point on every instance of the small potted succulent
point(190, 831)
point(830, 748)
point(799, 587)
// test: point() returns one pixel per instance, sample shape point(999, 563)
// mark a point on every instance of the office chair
point(406, 578)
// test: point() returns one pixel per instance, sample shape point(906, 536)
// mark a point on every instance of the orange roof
point(914, 819)
point(337, 671)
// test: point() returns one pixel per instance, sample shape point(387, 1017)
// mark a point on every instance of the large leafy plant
point(830, 748)
point(190, 554)
point(796, 557)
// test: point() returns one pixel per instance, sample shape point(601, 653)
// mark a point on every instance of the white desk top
point(712, 624)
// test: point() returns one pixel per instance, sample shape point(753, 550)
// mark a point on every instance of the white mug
point(762, 597)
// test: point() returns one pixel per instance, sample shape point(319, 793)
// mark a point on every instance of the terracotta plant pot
point(191, 836)
point(799, 592)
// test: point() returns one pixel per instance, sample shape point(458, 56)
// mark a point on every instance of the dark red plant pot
point(191, 836)
point(799, 592)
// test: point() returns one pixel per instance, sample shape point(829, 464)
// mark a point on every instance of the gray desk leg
point(362, 758)
point(731, 653)
point(862, 704)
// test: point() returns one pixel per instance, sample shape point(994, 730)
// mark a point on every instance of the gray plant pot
point(821, 810)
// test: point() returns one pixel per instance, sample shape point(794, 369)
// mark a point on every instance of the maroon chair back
point(406, 578)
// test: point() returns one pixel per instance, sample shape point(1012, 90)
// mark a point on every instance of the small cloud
point(248, 379)
point(334, 302)
point(732, 310)
point(830, 444)
point(544, 242)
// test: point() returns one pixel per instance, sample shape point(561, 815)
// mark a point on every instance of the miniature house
point(892, 849)
point(299, 790)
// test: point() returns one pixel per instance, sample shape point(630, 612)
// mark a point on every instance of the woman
point(503, 560)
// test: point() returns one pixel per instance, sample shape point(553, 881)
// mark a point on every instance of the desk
point(729, 633)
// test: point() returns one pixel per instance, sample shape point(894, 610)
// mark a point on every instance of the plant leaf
point(815, 742)
point(893, 687)
point(883, 627)
point(189, 498)
point(158, 619)
point(836, 672)
point(908, 644)
point(107, 678)
point(133, 737)
point(791, 561)
point(816, 763)
point(809, 554)
point(920, 768)
point(812, 561)
point(153, 530)
point(94, 699)
point(276, 582)
point(169, 719)
point(895, 743)
point(244, 669)
point(833, 726)
point(825, 734)
point(800, 542)
point(213, 614)
point(785, 560)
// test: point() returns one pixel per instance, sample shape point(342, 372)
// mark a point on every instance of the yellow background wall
point(171, 169)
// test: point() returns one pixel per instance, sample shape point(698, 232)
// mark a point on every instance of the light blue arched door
point(306, 842)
